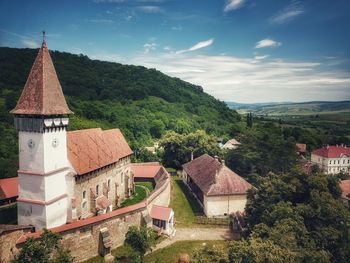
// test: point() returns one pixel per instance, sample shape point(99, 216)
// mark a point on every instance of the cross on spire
point(44, 37)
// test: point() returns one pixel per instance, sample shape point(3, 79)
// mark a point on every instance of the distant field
point(306, 108)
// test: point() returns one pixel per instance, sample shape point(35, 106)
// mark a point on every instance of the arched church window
point(84, 194)
point(97, 188)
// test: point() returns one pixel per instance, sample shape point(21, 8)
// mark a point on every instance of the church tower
point(41, 119)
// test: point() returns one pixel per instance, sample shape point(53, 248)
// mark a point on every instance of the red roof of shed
point(145, 170)
point(8, 187)
point(332, 151)
point(214, 178)
point(92, 149)
point(160, 212)
point(42, 93)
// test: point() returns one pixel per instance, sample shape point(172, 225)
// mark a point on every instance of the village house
point(220, 191)
point(64, 176)
point(231, 144)
point(332, 159)
point(8, 190)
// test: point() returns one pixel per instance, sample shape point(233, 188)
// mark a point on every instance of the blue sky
point(238, 50)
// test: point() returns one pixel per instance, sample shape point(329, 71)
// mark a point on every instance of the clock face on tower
point(31, 144)
point(55, 143)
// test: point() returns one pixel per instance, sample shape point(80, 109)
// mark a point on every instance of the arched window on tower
point(97, 188)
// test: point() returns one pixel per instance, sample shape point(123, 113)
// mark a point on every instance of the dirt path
point(183, 234)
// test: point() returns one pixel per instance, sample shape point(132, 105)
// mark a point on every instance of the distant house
point(231, 144)
point(220, 190)
point(8, 190)
point(332, 159)
point(345, 189)
point(301, 148)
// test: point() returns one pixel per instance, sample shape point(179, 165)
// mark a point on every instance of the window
point(109, 183)
point(97, 188)
point(334, 162)
point(84, 194)
point(338, 161)
point(330, 162)
point(343, 161)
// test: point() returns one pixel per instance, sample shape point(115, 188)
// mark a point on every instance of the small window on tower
point(109, 183)
point(84, 194)
point(97, 188)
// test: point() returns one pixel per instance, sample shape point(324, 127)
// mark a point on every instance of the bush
point(140, 239)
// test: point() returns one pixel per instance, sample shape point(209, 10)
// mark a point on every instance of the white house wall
point(221, 205)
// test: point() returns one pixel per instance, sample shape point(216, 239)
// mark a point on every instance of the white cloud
point(108, 1)
point(197, 46)
point(150, 9)
point(249, 80)
point(289, 13)
point(267, 43)
point(176, 28)
point(233, 5)
point(101, 21)
point(261, 57)
point(149, 47)
point(30, 43)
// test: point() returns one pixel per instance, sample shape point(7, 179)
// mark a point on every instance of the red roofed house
point(332, 159)
point(231, 144)
point(220, 190)
point(64, 176)
point(345, 189)
point(8, 190)
point(301, 148)
point(162, 219)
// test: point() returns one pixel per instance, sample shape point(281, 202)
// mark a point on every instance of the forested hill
point(143, 103)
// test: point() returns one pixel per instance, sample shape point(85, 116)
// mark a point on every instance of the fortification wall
point(82, 237)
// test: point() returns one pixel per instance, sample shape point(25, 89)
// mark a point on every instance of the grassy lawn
point(8, 214)
point(148, 185)
point(140, 194)
point(184, 204)
point(171, 253)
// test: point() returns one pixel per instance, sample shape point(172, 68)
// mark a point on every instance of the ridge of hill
point(143, 103)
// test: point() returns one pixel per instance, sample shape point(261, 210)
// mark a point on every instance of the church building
point(64, 175)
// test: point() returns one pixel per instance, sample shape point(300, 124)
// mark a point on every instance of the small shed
point(162, 219)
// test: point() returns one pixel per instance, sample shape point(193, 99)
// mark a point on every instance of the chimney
point(327, 146)
point(216, 158)
point(191, 156)
point(223, 162)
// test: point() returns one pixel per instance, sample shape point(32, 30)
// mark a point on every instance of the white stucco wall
point(332, 165)
point(43, 157)
point(221, 205)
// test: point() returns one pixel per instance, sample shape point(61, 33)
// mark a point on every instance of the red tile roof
point(214, 178)
point(42, 93)
point(160, 212)
point(233, 142)
point(92, 149)
point(145, 170)
point(345, 188)
point(332, 151)
point(301, 147)
point(8, 187)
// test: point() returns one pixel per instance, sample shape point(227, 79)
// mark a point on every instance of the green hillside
point(143, 103)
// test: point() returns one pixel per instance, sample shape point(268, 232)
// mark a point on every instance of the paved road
point(182, 234)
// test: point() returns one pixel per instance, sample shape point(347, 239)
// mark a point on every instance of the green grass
point(8, 214)
point(148, 185)
point(171, 253)
point(140, 194)
point(185, 206)
point(121, 254)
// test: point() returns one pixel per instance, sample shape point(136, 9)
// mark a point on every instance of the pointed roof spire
point(42, 93)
